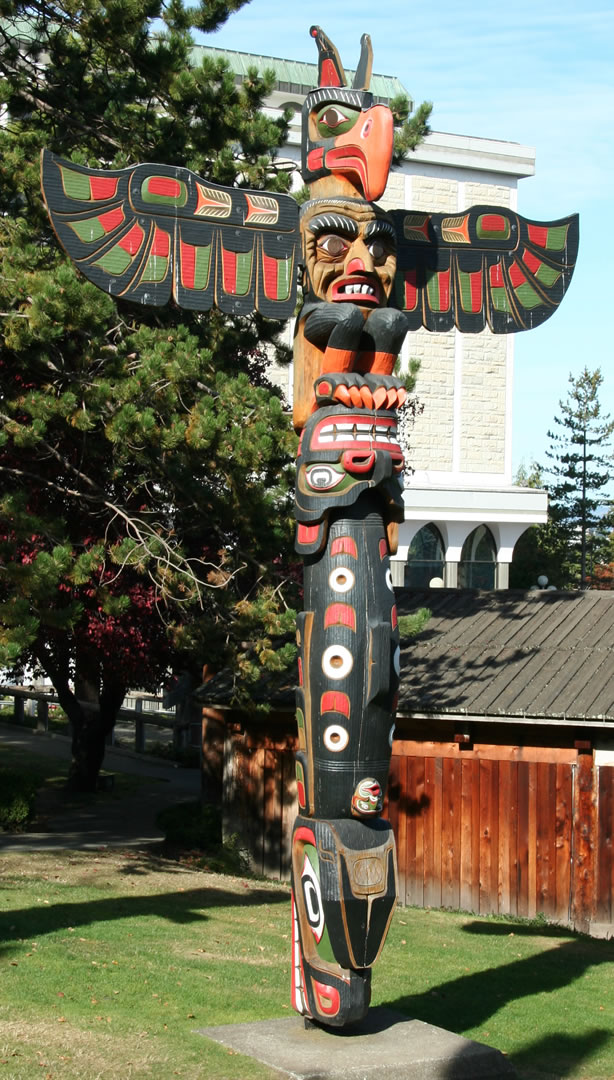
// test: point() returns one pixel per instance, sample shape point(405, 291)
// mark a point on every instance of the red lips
point(357, 289)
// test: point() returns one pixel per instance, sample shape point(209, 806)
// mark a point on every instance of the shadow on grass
point(560, 1055)
point(177, 907)
point(468, 1002)
point(551, 1058)
point(504, 928)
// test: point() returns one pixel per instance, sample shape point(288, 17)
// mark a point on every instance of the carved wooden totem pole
point(154, 233)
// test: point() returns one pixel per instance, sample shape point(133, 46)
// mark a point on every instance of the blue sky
point(539, 72)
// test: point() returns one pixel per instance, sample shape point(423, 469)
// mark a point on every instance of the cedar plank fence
point(491, 829)
point(490, 836)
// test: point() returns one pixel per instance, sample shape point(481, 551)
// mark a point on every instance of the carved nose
point(355, 266)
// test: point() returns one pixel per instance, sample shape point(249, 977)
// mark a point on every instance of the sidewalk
point(103, 820)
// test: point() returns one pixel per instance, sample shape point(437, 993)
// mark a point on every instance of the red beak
point(365, 152)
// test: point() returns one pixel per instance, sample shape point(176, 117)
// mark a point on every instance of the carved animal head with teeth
point(349, 251)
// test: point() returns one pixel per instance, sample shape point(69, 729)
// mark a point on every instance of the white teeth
point(340, 431)
point(363, 290)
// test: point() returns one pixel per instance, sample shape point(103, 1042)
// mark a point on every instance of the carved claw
point(367, 397)
point(342, 394)
point(370, 391)
point(380, 396)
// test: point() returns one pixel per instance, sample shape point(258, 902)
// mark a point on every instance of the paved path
point(103, 820)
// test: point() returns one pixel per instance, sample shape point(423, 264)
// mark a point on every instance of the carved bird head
point(344, 133)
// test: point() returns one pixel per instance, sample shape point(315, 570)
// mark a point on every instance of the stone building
point(463, 515)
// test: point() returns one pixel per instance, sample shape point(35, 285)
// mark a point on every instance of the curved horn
point(362, 77)
point(330, 68)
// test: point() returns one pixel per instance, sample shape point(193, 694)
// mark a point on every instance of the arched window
point(425, 559)
point(476, 569)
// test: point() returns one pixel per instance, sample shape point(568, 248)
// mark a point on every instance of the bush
point(18, 792)
point(196, 830)
point(191, 825)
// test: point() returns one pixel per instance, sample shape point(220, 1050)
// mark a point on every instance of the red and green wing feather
point(153, 232)
point(485, 266)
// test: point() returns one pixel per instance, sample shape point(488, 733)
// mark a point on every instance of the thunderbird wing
point(155, 232)
point(485, 266)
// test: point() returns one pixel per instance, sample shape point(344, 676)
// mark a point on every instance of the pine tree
point(145, 464)
point(581, 470)
point(574, 547)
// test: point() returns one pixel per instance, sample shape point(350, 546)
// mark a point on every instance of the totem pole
point(348, 504)
point(153, 233)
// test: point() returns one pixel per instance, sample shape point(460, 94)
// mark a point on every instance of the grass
point(110, 962)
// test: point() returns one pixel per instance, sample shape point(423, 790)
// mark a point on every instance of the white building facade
point(463, 515)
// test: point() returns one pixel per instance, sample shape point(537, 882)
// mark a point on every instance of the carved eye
point(323, 477)
point(333, 245)
point(335, 120)
point(378, 249)
point(380, 246)
point(332, 117)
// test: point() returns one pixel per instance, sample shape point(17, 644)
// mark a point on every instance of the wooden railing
point(18, 695)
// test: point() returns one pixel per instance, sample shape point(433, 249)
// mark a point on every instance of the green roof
point(294, 76)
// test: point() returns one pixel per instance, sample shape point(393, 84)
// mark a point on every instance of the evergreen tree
point(145, 464)
point(581, 470)
point(572, 547)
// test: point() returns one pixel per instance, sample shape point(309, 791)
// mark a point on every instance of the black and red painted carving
point(156, 233)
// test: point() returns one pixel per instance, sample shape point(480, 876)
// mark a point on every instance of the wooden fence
point(604, 906)
point(490, 836)
point(494, 829)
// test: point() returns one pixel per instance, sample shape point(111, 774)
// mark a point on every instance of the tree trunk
point(90, 732)
point(88, 748)
point(91, 709)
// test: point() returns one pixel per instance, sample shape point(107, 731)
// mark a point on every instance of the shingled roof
point(541, 655)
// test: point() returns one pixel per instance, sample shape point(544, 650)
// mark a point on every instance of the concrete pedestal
point(385, 1046)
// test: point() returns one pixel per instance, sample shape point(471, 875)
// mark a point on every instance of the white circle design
point(341, 579)
point(336, 738)
point(389, 579)
point(391, 736)
point(337, 661)
point(396, 660)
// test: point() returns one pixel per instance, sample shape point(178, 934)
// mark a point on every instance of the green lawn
point(109, 962)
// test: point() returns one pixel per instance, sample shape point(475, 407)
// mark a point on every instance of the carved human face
point(349, 251)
